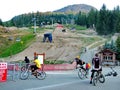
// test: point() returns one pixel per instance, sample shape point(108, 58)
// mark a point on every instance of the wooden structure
point(108, 57)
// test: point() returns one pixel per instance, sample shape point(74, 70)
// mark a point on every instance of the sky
point(11, 8)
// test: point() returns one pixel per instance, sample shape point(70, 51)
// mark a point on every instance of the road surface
point(63, 80)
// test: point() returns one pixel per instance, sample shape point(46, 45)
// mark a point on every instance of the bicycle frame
point(25, 74)
point(111, 73)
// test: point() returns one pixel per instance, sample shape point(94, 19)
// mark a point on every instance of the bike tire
point(23, 68)
point(81, 74)
point(24, 75)
point(41, 75)
point(101, 78)
point(95, 79)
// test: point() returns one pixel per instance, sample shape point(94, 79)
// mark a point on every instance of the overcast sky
point(11, 8)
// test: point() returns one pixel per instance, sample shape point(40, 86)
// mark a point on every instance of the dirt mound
point(65, 46)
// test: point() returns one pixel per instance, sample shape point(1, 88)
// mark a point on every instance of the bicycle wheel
point(23, 68)
point(81, 73)
point(24, 75)
point(95, 79)
point(41, 75)
point(101, 78)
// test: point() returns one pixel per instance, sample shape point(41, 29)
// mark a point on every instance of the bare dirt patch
point(65, 46)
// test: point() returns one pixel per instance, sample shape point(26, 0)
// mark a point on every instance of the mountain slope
point(76, 8)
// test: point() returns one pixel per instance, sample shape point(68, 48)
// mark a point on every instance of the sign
point(41, 58)
point(3, 71)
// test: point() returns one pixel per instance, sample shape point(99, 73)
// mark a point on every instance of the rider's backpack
point(88, 65)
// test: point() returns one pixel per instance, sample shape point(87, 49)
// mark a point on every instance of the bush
point(54, 62)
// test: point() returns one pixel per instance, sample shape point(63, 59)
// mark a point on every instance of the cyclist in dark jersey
point(27, 61)
point(79, 62)
point(96, 63)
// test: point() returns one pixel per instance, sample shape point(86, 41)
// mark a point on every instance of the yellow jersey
point(37, 63)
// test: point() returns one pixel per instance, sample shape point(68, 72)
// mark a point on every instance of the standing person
point(36, 65)
point(96, 65)
point(27, 61)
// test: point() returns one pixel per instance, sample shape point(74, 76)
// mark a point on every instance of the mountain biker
point(79, 62)
point(96, 65)
point(27, 61)
point(36, 65)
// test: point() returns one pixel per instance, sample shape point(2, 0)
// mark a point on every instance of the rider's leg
point(100, 71)
point(33, 68)
point(92, 76)
point(87, 71)
point(35, 72)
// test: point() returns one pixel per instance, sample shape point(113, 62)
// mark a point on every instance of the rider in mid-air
point(96, 65)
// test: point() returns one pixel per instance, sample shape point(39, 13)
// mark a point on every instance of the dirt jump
point(66, 45)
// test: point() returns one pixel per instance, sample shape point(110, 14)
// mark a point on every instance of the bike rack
point(13, 71)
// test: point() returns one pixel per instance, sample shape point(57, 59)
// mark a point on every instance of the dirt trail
point(65, 46)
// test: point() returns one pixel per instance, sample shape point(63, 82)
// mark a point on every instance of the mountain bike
point(111, 73)
point(24, 67)
point(27, 72)
point(98, 76)
point(82, 73)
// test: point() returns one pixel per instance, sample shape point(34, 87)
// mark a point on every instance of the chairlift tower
point(34, 19)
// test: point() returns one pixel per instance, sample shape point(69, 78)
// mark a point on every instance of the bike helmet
point(78, 57)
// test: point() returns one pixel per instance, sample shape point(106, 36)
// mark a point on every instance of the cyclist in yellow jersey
point(36, 65)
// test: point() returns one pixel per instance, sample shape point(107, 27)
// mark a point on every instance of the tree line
point(104, 21)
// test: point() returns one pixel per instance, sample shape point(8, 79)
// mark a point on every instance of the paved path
point(62, 80)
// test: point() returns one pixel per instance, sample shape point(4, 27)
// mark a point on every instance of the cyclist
point(96, 65)
point(27, 61)
point(36, 65)
point(79, 62)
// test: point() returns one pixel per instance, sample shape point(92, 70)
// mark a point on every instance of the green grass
point(89, 40)
point(17, 47)
point(77, 27)
point(54, 61)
